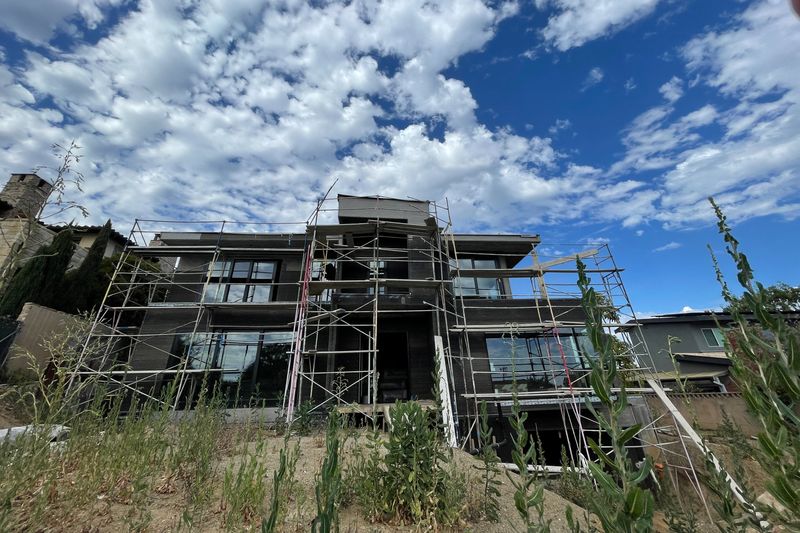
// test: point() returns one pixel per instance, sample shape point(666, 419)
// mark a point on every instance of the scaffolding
point(353, 276)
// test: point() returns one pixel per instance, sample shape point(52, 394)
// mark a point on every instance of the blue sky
point(580, 120)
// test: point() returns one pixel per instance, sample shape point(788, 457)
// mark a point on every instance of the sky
point(580, 120)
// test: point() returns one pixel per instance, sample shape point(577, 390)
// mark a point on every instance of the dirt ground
point(165, 508)
point(8, 415)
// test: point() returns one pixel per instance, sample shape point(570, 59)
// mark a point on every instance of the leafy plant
point(282, 485)
point(38, 279)
point(528, 488)
point(765, 363)
point(329, 480)
point(490, 505)
point(411, 481)
point(622, 503)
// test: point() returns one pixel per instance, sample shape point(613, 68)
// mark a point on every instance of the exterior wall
point(27, 194)
point(706, 409)
point(13, 233)
point(37, 325)
point(365, 208)
point(87, 240)
point(692, 341)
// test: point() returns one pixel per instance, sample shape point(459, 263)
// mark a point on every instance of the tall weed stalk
point(329, 480)
point(622, 503)
point(764, 349)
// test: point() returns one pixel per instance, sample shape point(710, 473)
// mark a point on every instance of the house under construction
point(370, 301)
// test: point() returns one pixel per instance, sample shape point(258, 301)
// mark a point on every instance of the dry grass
point(154, 474)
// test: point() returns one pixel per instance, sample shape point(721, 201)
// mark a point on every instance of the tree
point(778, 298)
point(84, 287)
point(39, 279)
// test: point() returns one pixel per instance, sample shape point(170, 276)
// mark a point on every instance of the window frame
point(719, 337)
point(539, 366)
point(458, 281)
point(223, 274)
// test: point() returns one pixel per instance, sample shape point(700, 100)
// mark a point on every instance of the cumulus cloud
point(576, 22)
point(240, 110)
point(237, 110)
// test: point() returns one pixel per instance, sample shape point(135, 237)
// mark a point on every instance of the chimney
point(24, 195)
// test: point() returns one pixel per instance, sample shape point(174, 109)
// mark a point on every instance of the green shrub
point(411, 482)
point(283, 484)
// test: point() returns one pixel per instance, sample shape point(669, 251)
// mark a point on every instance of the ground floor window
point(248, 366)
point(538, 362)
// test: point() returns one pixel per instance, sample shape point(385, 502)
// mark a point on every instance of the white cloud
point(38, 21)
point(578, 21)
point(239, 110)
point(559, 125)
point(594, 77)
point(630, 85)
point(669, 246)
point(235, 110)
point(688, 309)
point(672, 90)
point(752, 167)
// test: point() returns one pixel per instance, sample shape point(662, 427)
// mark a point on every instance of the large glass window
point(537, 362)
point(241, 281)
point(480, 287)
point(249, 366)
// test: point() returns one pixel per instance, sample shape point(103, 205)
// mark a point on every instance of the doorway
point(392, 366)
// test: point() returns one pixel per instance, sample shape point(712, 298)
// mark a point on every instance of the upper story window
point(476, 286)
point(241, 281)
point(714, 337)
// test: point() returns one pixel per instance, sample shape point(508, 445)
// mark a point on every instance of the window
point(476, 286)
point(249, 366)
point(241, 281)
point(537, 362)
point(714, 337)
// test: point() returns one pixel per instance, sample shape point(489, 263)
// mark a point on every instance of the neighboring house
point(22, 233)
point(84, 237)
point(696, 342)
point(355, 312)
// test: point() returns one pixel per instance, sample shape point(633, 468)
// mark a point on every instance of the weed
point(244, 489)
point(329, 480)
point(572, 485)
point(282, 486)
point(621, 503)
point(528, 488)
point(490, 506)
point(764, 350)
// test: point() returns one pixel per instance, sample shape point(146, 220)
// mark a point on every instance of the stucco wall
point(706, 410)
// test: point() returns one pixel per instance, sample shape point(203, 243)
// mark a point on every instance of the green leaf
point(628, 434)
point(603, 479)
point(639, 503)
